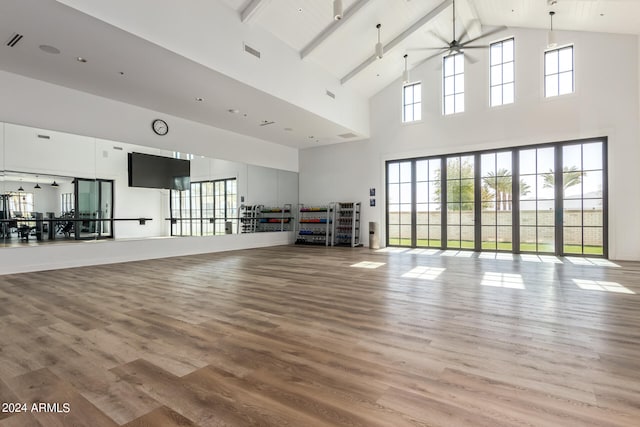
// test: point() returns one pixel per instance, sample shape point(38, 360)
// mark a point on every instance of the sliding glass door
point(94, 209)
point(548, 199)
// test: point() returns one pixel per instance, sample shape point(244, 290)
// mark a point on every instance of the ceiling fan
point(457, 45)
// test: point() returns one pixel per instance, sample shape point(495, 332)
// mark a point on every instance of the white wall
point(60, 111)
point(44, 105)
point(201, 37)
point(605, 104)
point(52, 256)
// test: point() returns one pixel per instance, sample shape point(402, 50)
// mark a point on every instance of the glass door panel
point(88, 209)
point(497, 199)
point(400, 202)
point(428, 213)
point(583, 198)
point(106, 209)
point(460, 202)
point(537, 200)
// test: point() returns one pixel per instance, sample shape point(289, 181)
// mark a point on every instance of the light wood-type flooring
point(314, 336)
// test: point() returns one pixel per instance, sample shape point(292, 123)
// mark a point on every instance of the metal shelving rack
point(275, 218)
point(347, 224)
point(249, 219)
point(314, 225)
point(260, 218)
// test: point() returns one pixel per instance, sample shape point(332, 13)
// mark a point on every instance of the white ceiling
point(156, 78)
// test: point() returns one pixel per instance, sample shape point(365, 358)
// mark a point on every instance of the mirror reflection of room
point(42, 208)
point(58, 187)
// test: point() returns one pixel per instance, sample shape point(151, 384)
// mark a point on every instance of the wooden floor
point(309, 336)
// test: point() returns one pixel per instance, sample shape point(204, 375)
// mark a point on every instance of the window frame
point(455, 93)
point(558, 72)
point(414, 105)
point(409, 240)
point(502, 64)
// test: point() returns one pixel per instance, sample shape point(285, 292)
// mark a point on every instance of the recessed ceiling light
point(49, 49)
point(300, 9)
point(81, 59)
point(121, 73)
point(199, 99)
point(311, 137)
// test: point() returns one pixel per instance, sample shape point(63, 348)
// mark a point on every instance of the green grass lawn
point(501, 246)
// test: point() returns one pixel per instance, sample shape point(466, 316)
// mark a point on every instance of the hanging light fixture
point(405, 73)
point(337, 10)
point(54, 184)
point(551, 36)
point(379, 48)
point(20, 188)
point(37, 186)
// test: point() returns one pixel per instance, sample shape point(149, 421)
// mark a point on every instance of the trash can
point(374, 236)
point(228, 229)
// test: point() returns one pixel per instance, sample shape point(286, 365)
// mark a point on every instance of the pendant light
point(54, 184)
point(551, 36)
point(379, 48)
point(37, 186)
point(337, 10)
point(405, 73)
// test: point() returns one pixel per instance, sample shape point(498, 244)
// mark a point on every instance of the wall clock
point(160, 127)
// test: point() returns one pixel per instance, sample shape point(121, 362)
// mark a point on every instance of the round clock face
point(160, 127)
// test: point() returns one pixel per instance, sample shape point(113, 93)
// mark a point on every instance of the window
point(582, 189)
point(204, 208)
point(547, 199)
point(399, 202)
point(453, 83)
point(412, 102)
point(537, 200)
point(66, 203)
point(502, 72)
point(460, 196)
point(21, 204)
point(558, 71)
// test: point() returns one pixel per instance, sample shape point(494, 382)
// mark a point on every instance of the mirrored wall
point(57, 187)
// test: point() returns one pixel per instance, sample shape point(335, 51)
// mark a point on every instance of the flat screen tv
point(149, 171)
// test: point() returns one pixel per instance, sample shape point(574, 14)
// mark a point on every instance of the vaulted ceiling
point(315, 75)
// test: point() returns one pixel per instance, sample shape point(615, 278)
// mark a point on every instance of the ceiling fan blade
point(439, 37)
point(425, 48)
point(464, 34)
point(464, 46)
point(434, 55)
point(490, 33)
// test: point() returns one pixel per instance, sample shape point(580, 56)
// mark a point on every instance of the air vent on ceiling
point(347, 135)
point(15, 38)
point(266, 123)
point(251, 50)
point(331, 94)
point(44, 136)
point(115, 147)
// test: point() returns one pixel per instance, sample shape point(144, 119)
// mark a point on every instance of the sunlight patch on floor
point(502, 280)
point(393, 250)
point(599, 285)
point(457, 253)
point(368, 264)
point(424, 251)
point(424, 273)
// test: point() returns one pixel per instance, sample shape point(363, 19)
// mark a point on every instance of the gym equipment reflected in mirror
point(57, 187)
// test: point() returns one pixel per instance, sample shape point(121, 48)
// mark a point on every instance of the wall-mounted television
point(149, 171)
